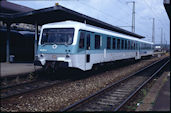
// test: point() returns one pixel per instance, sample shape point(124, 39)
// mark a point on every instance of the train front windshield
point(59, 36)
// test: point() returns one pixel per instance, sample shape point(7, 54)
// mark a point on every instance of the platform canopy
point(57, 14)
point(167, 6)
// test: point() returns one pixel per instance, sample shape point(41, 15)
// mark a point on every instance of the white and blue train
point(78, 45)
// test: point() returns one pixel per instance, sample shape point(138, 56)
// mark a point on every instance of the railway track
point(23, 88)
point(113, 97)
point(35, 84)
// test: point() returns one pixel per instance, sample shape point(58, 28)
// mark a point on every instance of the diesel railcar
point(71, 44)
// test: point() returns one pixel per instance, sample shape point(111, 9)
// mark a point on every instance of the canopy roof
point(57, 14)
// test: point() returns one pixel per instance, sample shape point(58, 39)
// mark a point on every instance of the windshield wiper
point(48, 44)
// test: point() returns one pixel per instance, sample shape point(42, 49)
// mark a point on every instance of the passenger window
point(108, 42)
point(122, 44)
point(129, 45)
point(82, 38)
point(125, 44)
point(118, 43)
point(134, 45)
point(97, 41)
point(114, 43)
point(88, 42)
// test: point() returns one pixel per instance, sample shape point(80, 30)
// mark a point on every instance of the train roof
point(79, 25)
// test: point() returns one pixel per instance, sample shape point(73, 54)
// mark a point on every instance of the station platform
point(158, 97)
point(13, 69)
point(162, 102)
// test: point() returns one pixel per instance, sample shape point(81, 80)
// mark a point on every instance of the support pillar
point(35, 40)
point(8, 42)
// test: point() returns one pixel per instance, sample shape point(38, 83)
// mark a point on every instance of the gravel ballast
point(60, 96)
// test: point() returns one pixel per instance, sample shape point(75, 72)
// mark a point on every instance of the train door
point(138, 50)
point(87, 51)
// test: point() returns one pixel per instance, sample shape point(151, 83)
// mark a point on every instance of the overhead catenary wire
point(129, 9)
point(154, 14)
point(106, 14)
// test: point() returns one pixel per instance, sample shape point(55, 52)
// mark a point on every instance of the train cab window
point(114, 43)
point(122, 44)
point(108, 42)
point(82, 38)
point(97, 41)
point(88, 42)
point(125, 44)
point(118, 43)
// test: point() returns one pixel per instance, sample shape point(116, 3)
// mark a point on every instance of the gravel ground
point(60, 96)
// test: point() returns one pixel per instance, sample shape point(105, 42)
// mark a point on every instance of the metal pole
point(161, 37)
point(133, 16)
point(166, 45)
point(85, 21)
point(164, 42)
point(153, 32)
point(35, 40)
point(8, 43)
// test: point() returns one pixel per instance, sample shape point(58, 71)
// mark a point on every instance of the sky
point(117, 13)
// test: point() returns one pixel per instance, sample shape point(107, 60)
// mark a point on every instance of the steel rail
point(17, 78)
point(84, 100)
point(140, 87)
point(18, 84)
point(28, 87)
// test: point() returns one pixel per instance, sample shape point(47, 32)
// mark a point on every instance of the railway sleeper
point(107, 101)
point(123, 93)
point(110, 97)
point(116, 95)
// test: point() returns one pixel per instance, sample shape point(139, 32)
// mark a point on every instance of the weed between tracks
point(138, 99)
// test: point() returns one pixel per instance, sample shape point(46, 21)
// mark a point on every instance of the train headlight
point(41, 55)
point(67, 56)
